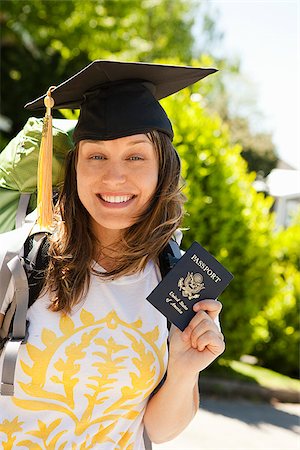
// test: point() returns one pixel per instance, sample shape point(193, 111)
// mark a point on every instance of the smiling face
point(116, 180)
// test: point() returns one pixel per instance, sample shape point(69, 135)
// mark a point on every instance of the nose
point(114, 174)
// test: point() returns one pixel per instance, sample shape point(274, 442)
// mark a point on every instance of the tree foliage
point(258, 149)
point(235, 102)
point(43, 42)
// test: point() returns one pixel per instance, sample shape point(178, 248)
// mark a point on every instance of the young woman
point(97, 348)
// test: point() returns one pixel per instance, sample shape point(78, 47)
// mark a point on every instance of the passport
point(197, 275)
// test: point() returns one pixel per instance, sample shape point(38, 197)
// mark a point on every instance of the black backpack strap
point(169, 257)
point(36, 262)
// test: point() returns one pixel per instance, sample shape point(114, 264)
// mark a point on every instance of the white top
point(83, 381)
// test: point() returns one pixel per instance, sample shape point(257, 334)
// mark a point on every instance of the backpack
point(18, 169)
point(18, 185)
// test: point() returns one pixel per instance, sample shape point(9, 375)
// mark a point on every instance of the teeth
point(116, 198)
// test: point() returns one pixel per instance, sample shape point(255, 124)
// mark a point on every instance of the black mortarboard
point(119, 99)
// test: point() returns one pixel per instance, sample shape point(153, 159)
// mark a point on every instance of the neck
point(107, 258)
point(110, 247)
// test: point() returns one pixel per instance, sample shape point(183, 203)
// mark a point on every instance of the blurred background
point(237, 134)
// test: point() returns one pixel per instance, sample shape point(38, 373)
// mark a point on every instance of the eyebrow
point(139, 141)
point(132, 142)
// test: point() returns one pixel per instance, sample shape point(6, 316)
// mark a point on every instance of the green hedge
point(276, 328)
point(226, 215)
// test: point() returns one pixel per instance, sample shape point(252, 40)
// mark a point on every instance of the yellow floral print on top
point(83, 381)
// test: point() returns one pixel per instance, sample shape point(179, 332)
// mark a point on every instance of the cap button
point(48, 100)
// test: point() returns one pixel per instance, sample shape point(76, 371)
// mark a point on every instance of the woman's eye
point(136, 158)
point(97, 157)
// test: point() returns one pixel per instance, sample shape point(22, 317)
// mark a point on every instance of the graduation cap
point(116, 99)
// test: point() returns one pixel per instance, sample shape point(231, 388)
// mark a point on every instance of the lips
point(115, 199)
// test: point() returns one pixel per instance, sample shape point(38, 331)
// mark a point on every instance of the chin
point(112, 225)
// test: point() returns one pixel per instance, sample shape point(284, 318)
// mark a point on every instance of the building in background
point(284, 185)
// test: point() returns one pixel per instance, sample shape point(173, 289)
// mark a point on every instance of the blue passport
point(196, 276)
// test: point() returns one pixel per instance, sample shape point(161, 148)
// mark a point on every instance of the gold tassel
point(44, 182)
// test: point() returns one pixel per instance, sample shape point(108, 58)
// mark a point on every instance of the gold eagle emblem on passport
point(191, 285)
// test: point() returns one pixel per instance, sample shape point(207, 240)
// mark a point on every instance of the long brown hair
point(73, 246)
